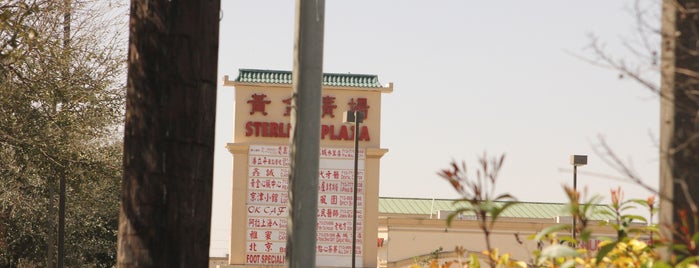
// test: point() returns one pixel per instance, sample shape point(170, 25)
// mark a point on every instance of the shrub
point(626, 249)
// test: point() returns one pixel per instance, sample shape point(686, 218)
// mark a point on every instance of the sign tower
point(260, 151)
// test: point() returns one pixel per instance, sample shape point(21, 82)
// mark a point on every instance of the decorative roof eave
point(388, 88)
point(363, 82)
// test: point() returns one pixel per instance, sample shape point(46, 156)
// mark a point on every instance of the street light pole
point(356, 117)
point(576, 160)
point(575, 192)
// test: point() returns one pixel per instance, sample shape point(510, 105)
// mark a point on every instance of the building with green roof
point(404, 227)
point(414, 228)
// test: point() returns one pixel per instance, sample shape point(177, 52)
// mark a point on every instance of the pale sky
point(469, 77)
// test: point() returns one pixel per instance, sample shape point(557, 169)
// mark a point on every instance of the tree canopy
point(62, 77)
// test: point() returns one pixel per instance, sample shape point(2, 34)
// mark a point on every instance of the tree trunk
point(165, 209)
point(679, 126)
point(62, 177)
point(50, 227)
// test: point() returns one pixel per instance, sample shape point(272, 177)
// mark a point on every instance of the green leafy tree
point(15, 32)
point(62, 81)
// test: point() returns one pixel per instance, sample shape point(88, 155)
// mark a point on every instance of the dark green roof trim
point(426, 206)
point(329, 79)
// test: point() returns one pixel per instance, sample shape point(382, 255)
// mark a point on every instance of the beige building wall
point(261, 132)
point(406, 238)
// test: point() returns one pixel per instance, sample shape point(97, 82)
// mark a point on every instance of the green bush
point(559, 249)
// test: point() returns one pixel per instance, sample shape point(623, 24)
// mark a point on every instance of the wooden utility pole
point(679, 118)
point(305, 138)
point(165, 208)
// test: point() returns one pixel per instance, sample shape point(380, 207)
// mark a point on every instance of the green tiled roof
point(329, 79)
point(424, 206)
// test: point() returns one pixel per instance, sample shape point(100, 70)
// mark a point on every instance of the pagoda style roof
point(329, 79)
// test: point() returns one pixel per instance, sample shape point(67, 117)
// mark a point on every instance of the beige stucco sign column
point(260, 168)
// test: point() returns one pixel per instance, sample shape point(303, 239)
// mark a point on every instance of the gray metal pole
point(575, 192)
point(305, 138)
point(357, 116)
